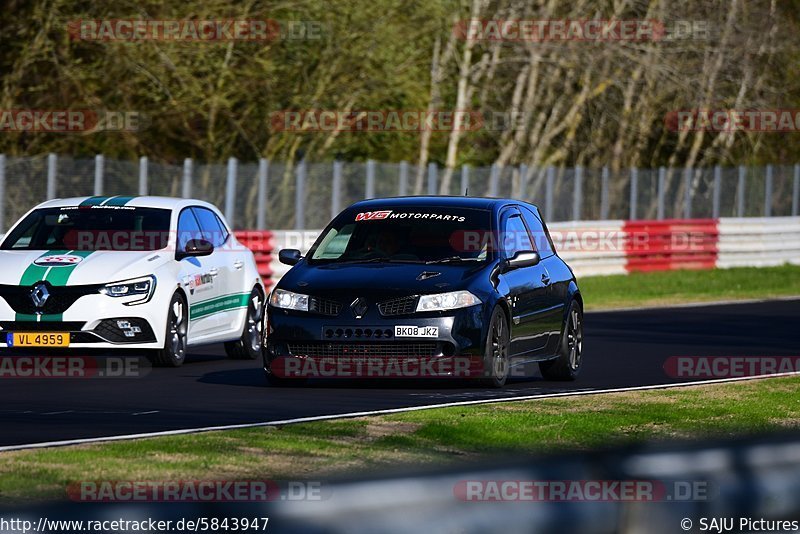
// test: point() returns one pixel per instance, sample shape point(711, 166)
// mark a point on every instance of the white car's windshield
point(91, 229)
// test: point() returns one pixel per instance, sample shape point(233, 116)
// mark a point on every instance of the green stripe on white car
point(119, 200)
point(217, 305)
point(92, 201)
point(56, 275)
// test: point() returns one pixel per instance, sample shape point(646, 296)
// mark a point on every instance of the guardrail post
point(687, 193)
point(98, 175)
point(717, 192)
point(52, 161)
point(634, 193)
point(403, 186)
point(299, 196)
point(768, 192)
point(577, 197)
point(604, 208)
point(2, 193)
point(432, 178)
point(230, 191)
point(263, 176)
point(336, 193)
point(740, 192)
point(464, 179)
point(796, 191)
point(662, 184)
point(186, 185)
point(143, 176)
point(549, 182)
point(370, 190)
point(523, 181)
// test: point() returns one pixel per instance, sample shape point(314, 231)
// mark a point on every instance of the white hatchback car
point(129, 272)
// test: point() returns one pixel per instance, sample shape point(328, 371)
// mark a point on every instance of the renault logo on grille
point(359, 307)
point(39, 295)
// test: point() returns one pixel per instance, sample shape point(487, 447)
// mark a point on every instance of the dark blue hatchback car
point(459, 286)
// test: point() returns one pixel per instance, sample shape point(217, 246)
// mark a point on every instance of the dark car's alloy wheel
point(567, 365)
point(248, 346)
point(496, 355)
point(174, 352)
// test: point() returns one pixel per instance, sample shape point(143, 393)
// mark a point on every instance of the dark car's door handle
point(545, 278)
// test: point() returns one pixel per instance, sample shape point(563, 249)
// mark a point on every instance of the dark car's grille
point(398, 306)
point(60, 299)
point(346, 332)
point(324, 306)
point(365, 350)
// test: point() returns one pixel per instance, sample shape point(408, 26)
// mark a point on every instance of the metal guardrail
point(299, 195)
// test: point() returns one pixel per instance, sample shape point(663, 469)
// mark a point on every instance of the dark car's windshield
point(91, 229)
point(408, 234)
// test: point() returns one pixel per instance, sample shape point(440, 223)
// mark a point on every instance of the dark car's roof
point(437, 201)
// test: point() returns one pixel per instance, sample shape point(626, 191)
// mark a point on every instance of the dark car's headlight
point(288, 300)
point(447, 301)
point(143, 287)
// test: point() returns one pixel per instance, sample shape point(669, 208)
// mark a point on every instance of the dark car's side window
point(188, 229)
point(541, 237)
point(211, 227)
point(515, 237)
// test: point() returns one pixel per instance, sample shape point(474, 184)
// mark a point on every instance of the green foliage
point(589, 103)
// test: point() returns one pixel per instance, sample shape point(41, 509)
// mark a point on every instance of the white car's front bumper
point(97, 321)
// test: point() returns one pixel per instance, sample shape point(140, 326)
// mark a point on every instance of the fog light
point(127, 329)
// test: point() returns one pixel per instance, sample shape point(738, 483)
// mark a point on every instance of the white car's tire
point(174, 352)
point(248, 346)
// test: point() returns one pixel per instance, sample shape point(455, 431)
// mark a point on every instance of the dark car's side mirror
point(290, 256)
point(523, 258)
point(195, 248)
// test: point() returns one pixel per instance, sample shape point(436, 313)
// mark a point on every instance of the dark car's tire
point(495, 358)
point(248, 346)
point(567, 366)
point(174, 352)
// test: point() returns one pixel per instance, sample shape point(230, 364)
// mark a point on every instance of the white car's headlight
point(288, 300)
point(447, 301)
point(143, 287)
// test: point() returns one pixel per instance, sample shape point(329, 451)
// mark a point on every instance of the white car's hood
point(25, 267)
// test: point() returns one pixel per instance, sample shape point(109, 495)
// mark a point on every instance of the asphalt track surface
point(621, 349)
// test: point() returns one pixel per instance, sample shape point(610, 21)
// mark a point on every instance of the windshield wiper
point(365, 260)
point(452, 259)
point(383, 259)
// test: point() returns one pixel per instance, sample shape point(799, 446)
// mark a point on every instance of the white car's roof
point(144, 202)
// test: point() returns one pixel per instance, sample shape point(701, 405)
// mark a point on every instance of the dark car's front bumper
point(367, 346)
